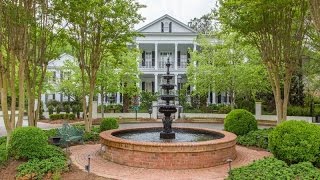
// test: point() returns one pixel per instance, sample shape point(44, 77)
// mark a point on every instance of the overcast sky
point(183, 10)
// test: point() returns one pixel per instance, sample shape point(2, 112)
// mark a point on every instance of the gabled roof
point(169, 17)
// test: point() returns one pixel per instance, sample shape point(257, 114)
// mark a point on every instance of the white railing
point(147, 65)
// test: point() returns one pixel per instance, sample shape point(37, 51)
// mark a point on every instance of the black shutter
point(170, 27)
point(143, 58)
point(179, 60)
point(189, 89)
point(219, 98)
point(153, 58)
point(120, 97)
point(143, 84)
point(162, 26)
point(210, 97)
point(152, 87)
point(188, 57)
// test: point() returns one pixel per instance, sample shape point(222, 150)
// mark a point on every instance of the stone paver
point(101, 167)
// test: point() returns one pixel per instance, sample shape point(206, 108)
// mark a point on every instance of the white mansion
point(164, 37)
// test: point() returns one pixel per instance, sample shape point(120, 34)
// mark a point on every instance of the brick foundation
point(188, 155)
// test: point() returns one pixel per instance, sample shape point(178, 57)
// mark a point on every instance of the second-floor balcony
point(181, 64)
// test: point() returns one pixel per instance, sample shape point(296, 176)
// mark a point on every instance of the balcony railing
point(147, 65)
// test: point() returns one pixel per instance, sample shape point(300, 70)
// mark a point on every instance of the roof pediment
point(176, 25)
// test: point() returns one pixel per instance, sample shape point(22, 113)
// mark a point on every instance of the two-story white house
point(163, 38)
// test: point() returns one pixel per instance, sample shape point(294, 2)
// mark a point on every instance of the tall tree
point(15, 18)
point(315, 12)
point(231, 66)
point(45, 41)
point(96, 27)
point(203, 25)
point(277, 28)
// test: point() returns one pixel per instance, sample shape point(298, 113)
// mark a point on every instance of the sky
point(183, 10)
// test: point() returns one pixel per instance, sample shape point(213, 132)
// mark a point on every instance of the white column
point(156, 56)
point(258, 109)
point(118, 97)
point(156, 82)
point(176, 81)
point(214, 98)
point(176, 56)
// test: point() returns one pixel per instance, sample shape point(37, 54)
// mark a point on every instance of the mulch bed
point(9, 171)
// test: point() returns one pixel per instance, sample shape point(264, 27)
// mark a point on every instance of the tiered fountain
point(177, 148)
point(168, 108)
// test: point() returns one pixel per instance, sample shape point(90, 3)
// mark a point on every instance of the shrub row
point(272, 168)
point(62, 116)
point(258, 138)
point(109, 123)
point(117, 108)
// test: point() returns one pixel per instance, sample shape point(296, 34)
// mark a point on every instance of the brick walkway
point(104, 168)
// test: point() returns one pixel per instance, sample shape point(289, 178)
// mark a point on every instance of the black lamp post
point(150, 112)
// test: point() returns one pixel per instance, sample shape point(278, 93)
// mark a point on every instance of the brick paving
point(101, 167)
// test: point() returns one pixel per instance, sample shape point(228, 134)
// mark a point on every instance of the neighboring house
point(163, 38)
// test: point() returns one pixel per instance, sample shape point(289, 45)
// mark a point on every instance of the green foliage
point(296, 141)
point(3, 154)
point(146, 99)
point(267, 169)
point(67, 108)
point(109, 123)
point(240, 122)
point(53, 103)
point(298, 111)
point(258, 138)
point(59, 108)
point(305, 170)
point(50, 109)
point(271, 168)
point(40, 167)
point(27, 142)
point(62, 116)
point(51, 132)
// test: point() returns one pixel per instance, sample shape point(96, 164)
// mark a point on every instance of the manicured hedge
point(240, 122)
point(62, 116)
point(296, 141)
point(27, 142)
point(109, 123)
point(272, 168)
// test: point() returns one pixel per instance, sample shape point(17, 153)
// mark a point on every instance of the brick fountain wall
point(186, 155)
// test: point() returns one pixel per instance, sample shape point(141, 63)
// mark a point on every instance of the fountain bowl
point(168, 155)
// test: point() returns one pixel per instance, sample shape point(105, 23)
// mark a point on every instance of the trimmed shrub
point(67, 108)
point(272, 168)
point(258, 138)
point(3, 154)
point(305, 170)
point(38, 168)
point(51, 132)
point(59, 108)
point(71, 116)
point(50, 109)
point(109, 123)
point(27, 142)
point(296, 141)
point(240, 122)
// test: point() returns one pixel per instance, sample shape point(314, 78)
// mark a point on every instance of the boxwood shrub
point(258, 138)
point(272, 168)
point(27, 142)
point(296, 141)
point(108, 123)
point(240, 122)
point(62, 116)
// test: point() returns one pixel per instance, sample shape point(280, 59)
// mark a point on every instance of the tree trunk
point(126, 103)
point(102, 103)
point(21, 93)
point(232, 99)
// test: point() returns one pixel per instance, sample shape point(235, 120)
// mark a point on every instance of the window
point(166, 26)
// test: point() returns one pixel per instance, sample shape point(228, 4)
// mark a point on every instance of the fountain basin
point(168, 155)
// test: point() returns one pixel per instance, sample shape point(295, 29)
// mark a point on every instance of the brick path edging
point(101, 167)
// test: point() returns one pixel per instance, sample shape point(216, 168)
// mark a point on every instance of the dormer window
point(166, 26)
